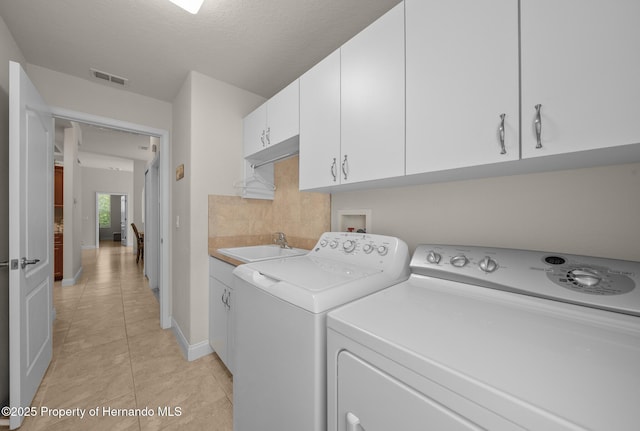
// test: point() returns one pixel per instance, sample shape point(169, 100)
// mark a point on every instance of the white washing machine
point(486, 338)
point(279, 383)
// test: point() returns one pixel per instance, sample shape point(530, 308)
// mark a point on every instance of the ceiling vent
point(118, 80)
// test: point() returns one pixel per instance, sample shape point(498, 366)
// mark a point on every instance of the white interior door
point(30, 239)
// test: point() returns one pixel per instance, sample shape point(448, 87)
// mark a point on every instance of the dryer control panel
point(607, 284)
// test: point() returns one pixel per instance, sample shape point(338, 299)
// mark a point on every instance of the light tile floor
point(110, 354)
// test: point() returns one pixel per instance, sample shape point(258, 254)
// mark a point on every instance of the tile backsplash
point(302, 216)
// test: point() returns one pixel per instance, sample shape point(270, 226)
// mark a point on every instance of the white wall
point(594, 211)
point(208, 134)
point(9, 51)
point(72, 250)
point(102, 181)
point(181, 250)
point(66, 91)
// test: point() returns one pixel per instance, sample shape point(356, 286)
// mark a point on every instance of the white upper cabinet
point(274, 122)
point(581, 64)
point(320, 124)
point(462, 77)
point(372, 101)
point(283, 114)
point(254, 129)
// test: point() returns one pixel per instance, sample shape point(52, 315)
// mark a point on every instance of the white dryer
point(279, 383)
point(486, 338)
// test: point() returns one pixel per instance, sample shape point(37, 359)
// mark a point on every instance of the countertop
point(216, 243)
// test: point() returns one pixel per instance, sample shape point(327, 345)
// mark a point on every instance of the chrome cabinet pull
point(353, 422)
point(501, 133)
point(345, 167)
point(268, 135)
point(334, 173)
point(262, 138)
point(226, 299)
point(538, 124)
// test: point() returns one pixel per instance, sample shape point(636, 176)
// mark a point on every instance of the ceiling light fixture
point(191, 6)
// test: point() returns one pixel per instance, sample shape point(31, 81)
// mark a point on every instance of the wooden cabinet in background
point(58, 220)
point(58, 199)
point(57, 256)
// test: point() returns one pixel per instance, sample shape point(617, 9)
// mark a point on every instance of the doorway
point(163, 178)
point(112, 219)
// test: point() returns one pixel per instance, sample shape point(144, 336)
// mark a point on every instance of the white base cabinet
point(221, 314)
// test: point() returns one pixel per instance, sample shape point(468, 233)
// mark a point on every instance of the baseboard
point(190, 351)
point(74, 280)
point(88, 247)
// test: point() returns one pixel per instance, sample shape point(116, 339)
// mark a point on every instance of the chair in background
point(139, 242)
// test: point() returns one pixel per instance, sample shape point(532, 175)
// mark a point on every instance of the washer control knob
point(333, 244)
point(382, 250)
point(349, 245)
point(586, 277)
point(323, 243)
point(459, 260)
point(367, 248)
point(488, 265)
point(433, 257)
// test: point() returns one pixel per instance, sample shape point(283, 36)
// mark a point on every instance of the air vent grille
point(119, 80)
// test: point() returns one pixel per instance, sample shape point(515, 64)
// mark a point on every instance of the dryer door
point(371, 400)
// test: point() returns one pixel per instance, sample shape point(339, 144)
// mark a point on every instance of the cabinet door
point(320, 124)
point(218, 318)
point(58, 195)
point(231, 331)
point(254, 129)
point(462, 74)
point(581, 62)
point(283, 114)
point(372, 100)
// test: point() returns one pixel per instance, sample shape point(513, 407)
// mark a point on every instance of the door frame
point(164, 183)
point(97, 213)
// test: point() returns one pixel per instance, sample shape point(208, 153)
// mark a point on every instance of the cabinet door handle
point(229, 300)
point(334, 172)
point(224, 301)
point(345, 167)
point(262, 138)
point(501, 134)
point(538, 124)
point(268, 135)
point(353, 422)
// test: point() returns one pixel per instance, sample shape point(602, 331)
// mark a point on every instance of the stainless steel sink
point(256, 253)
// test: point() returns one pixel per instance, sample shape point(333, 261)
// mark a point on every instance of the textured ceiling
point(258, 45)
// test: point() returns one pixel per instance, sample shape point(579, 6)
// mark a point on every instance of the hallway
point(109, 353)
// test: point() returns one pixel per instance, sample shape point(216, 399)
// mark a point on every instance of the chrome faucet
point(281, 239)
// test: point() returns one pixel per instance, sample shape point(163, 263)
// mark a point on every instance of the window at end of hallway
point(104, 210)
